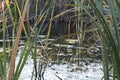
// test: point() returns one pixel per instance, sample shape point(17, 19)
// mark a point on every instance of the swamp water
point(63, 67)
point(63, 70)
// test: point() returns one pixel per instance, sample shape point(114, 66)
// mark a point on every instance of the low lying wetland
point(63, 53)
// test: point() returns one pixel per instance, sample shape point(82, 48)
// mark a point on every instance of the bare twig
point(58, 77)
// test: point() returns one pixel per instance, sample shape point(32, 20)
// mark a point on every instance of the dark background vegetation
point(59, 25)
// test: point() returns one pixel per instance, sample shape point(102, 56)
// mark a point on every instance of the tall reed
point(16, 15)
point(110, 35)
point(106, 19)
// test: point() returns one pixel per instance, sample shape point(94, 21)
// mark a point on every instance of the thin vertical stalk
point(111, 3)
point(12, 63)
point(50, 24)
point(107, 31)
point(19, 13)
point(12, 19)
point(36, 8)
point(105, 58)
point(4, 42)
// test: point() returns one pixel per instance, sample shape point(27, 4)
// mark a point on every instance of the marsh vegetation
point(59, 32)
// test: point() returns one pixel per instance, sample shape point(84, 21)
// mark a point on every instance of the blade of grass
point(19, 12)
point(105, 58)
point(4, 43)
point(115, 54)
point(103, 26)
point(34, 53)
point(12, 19)
point(50, 24)
point(23, 59)
point(111, 3)
point(12, 63)
point(2, 73)
point(28, 48)
point(118, 3)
